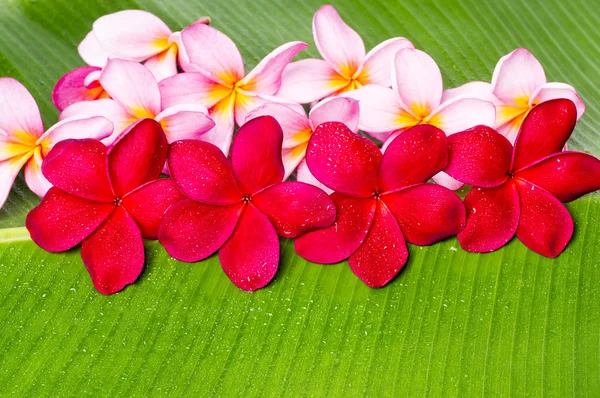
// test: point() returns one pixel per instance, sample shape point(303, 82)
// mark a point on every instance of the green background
point(452, 324)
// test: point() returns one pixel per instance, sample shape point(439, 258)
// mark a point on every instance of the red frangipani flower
point(519, 190)
point(381, 200)
point(239, 207)
point(107, 199)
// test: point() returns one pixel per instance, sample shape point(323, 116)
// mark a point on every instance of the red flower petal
point(78, 167)
point(295, 208)
point(342, 160)
point(544, 131)
point(545, 225)
point(192, 231)
point(492, 218)
point(61, 221)
point(427, 213)
point(202, 172)
point(413, 157)
point(566, 175)
point(339, 241)
point(251, 255)
point(137, 157)
point(147, 205)
point(479, 156)
point(256, 155)
point(383, 253)
point(114, 253)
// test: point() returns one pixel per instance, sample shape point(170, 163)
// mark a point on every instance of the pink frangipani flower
point(518, 84)
point(134, 96)
point(518, 190)
point(81, 84)
point(239, 207)
point(344, 66)
point(381, 200)
point(297, 129)
point(217, 80)
point(107, 200)
point(23, 141)
point(416, 98)
point(135, 35)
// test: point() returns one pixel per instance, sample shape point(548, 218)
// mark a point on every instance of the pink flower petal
point(61, 221)
point(183, 122)
point(479, 156)
point(265, 78)
point(251, 255)
point(376, 69)
point(137, 157)
point(418, 80)
point(71, 88)
point(516, 77)
point(106, 108)
point(164, 64)
point(492, 218)
point(114, 253)
point(344, 237)
point(213, 53)
point(182, 56)
point(36, 182)
point(295, 208)
point(191, 88)
point(202, 172)
point(566, 175)
point(132, 86)
point(256, 167)
point(446, 181)
point(92, 52)
point(551, 91)
point(413, 157)
point(192, 231)
point(223, 116)
point(147, 205)
point(381, 112)
point(545, 225)
point(338, 43)
point(476, 89)
point(303, 174)
point(309, 80)
point(343, 160)
point(135, 35)
point(337, 109)
point(427, 213)
point(96, 127)
point(9, 169)
point(18, 110)
point(383, 253)
point(544, 131)
point(79, 168)
point(461, 113)
point(246, 102)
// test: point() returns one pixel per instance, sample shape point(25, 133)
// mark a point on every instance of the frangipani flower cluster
point(154, 101)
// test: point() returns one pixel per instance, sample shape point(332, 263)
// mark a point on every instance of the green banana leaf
point(451, 324)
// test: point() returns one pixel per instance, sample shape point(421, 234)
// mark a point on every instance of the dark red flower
point(519, 190)
point(107, 199)
point(381, 199)
point(238, 207)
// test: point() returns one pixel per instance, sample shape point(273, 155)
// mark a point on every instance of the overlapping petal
point(516, 77)
point(191, 88)
point(551, 91)
point(96, 127)
point(309, 80)
point(376, 68)
point(343, 160)
point(104, 107)
point(461, 113)
point(72, 88)
point(337, 109)
point(340, 240)
point(183, 122)
point(295, 208)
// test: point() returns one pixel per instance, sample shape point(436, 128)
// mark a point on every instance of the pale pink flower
point(297, 129)
point(416, 97)
point(344, 66)
point(216, 79)
point(518, 84)
point(134, 95)
point(23, 141)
